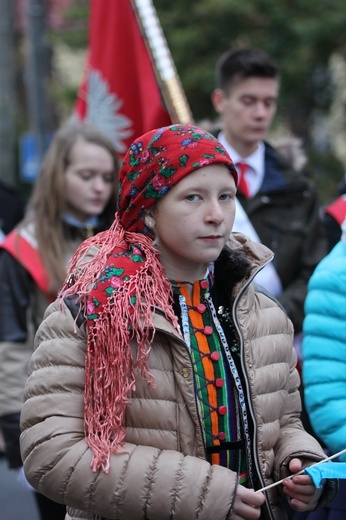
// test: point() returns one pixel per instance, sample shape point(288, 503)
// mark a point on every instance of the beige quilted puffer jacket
point(161, 472)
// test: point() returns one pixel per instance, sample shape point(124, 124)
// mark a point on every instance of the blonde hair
point(46, 206)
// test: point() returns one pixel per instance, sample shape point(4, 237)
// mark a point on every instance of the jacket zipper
point(236, 324)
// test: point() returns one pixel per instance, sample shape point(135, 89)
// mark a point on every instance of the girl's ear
point(149, 219)
point(150, 222)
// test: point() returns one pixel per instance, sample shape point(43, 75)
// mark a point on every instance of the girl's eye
point(85, 175)
point(225, 196)
point(193, 197)
point(108, 178)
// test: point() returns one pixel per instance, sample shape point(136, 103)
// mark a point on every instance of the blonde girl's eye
point(85, 175)
point(108, 177)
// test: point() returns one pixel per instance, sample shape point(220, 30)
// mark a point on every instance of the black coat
point(286, 216)
point(11, 208)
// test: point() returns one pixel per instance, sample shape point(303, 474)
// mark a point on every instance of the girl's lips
point(97, 201)
point(212, 238)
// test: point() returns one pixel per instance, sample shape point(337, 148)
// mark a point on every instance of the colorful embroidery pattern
point(215, 386)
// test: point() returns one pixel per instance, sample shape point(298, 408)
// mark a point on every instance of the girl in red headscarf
point(164, 383)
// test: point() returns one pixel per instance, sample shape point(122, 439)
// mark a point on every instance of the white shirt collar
point(255, 174)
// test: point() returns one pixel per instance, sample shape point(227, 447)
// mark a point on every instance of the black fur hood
point(239, 259)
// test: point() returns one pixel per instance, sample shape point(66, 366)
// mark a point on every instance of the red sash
point(28, 256)
point(337, 209)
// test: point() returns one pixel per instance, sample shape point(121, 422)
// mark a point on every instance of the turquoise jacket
point(324, 350)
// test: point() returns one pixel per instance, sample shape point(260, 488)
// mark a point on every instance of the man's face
point(247, 110)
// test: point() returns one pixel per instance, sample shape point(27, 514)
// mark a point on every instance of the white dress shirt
point(267, 277)
point(255, 172)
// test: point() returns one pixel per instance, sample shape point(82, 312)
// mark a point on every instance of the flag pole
point(165, 70)
point(302, 471)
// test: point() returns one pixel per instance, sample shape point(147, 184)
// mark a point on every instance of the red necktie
point(242, 184)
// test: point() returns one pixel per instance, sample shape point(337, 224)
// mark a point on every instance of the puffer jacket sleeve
point(295, 442)
point(324, 350)
point(143, 482)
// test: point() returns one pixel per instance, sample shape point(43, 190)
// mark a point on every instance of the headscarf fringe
point(110, 368)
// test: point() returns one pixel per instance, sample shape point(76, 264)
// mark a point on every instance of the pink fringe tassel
point(110, 369)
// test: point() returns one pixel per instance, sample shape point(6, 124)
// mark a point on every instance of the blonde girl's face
point(89, 180)
point(194, 220)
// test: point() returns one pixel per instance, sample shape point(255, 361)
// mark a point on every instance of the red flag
point(120, 93)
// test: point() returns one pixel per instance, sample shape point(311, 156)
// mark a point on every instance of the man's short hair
point(234, 65)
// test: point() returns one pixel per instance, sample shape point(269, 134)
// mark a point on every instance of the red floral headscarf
point(157, 161)
point(125, 281)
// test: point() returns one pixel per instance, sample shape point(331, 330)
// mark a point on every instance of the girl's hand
point(247, 504)
point(300, 489)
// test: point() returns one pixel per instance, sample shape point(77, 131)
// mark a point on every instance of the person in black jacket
point(11, 209)
point(11, 212)
point(277, 205)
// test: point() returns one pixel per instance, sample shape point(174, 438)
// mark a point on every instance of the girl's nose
point(99, 183)
point(215, 213)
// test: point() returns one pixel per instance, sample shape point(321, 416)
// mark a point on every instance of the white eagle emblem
point(102, 110)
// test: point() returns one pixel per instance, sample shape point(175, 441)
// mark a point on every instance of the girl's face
point(194, 221)
point(89, 180)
